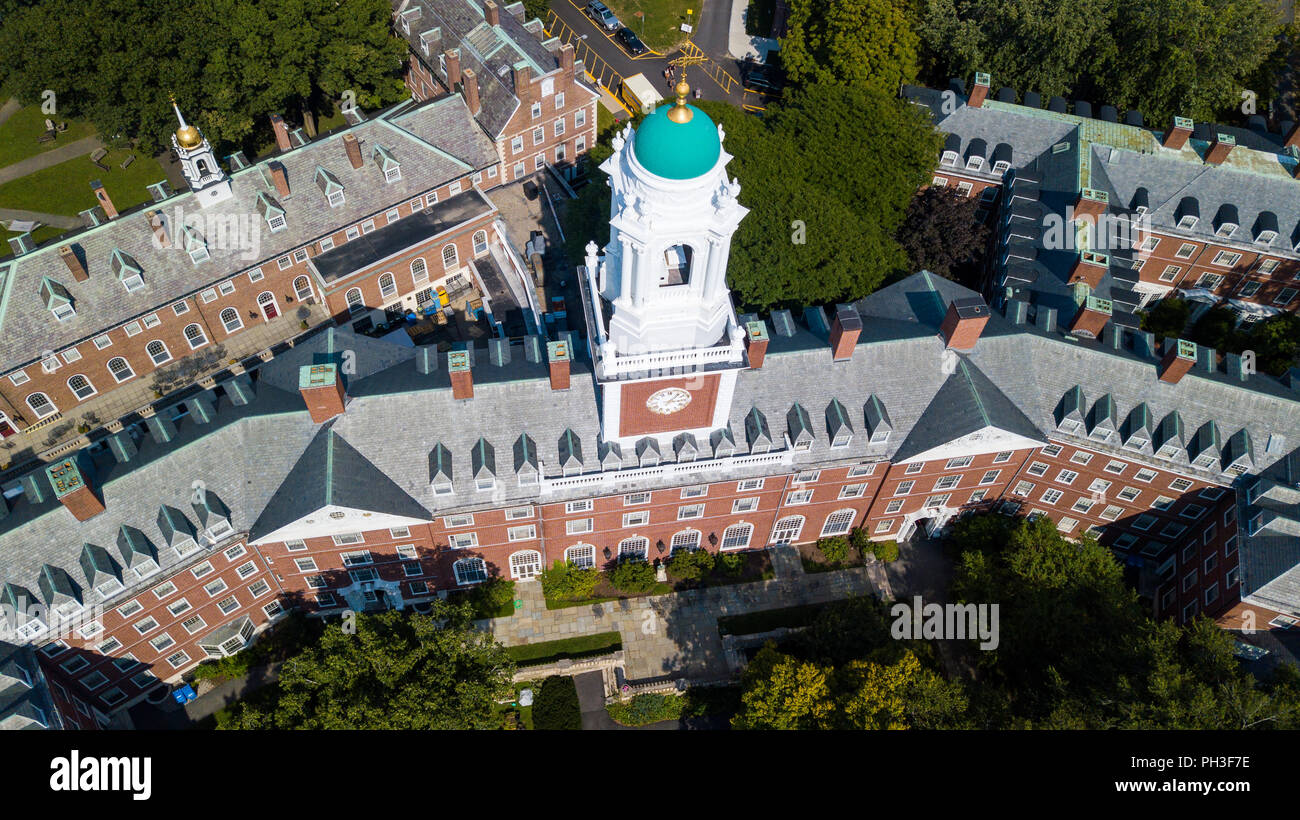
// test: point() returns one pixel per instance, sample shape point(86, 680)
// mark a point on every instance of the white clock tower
point(199, 163)
point(666, 342)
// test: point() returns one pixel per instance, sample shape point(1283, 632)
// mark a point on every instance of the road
point(607, 61)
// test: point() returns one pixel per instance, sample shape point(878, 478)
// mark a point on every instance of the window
point(103, 341)
point(1209, 281)
point(580, 119)
point(305, 564)
point(936, 501)
point(787, 529)
point(147, 625)
point(1038, 468)
point(695, 492)
point(632, 499)
point(193, 624)
point(838, 522)
point(636, 519)
point(230, 320)
point(737, 536)
point(582, 506)
point(525, 564)
point(894, 505)
point(470, 571)
point(215, 588)
point(1227, 258)
point(581, 555)
point(516, 144)
point(356, 559)
point(1285, 296)
point(1080, 457)
point(41, 405)
point(516, 513)
point(295, 546)
point(749, 484)
point(578, 526)
point(1180, 484)
point(1051, 496)
point(449, 257)
point(1145, 475)
point(1066, 477)
point(904, 487)
point(463, 540)
point(852, 490)
point(1023, 488)
point(387, 286)
point(523, 533)
point(690, 511)
point(1082, 505)
point(536, 110)
point(480, 243)
point(81, 387)
point(178, 606)
point(798, 497)
point(685, 540)
point(947, 482)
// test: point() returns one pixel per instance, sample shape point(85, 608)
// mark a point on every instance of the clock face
point(668, 401)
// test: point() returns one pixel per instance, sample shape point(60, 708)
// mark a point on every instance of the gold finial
point(680, 113)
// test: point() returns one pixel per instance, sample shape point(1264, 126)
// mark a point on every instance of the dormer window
point(388, 164)
point(1226, 230)
point(195, 246)
point(1187, 223)
point(271, 212)
point(949, 158)
point(1266, 237)
point(975, 164)
point(57, 299)
point(330, 186)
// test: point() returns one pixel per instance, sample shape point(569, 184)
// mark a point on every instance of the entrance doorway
point(266, 301)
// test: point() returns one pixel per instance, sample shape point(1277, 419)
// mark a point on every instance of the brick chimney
point(845, 329)
point(1092, 317)
point(566, 60)
point(1090, 267)
point(102, 196)
point(557, 354)
point(280, 177)
point(158, 224)
point(1179, 132)
point(964, 323)
point(353, 149)
point(1179, 358)
point(451, 58)
point(72, 487)
point(1220, 148)
point(281, 132)
point(980, 91)
point(492, 13)
point(321, 386)
point(1293, 137)
point(523, 78)
point(469, 88)
point(75, 266)
point(1091, 203)
point(462, 379)
point(756, 340)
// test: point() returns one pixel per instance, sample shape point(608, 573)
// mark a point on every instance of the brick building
point(524, 90)
point(1203, 210)
point(367, 222)
point(351, 473)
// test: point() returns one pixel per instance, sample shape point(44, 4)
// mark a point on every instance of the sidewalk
point(40, 162)
point(676, 635)
point(66, 222)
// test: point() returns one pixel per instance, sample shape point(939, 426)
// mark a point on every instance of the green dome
point(677, 150)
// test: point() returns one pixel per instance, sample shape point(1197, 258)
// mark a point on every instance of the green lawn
point(18, 134)
point(660, 28)
point(579, 647)
point(65, 188)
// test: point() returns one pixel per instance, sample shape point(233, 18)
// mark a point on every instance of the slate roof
point(266, 461)
point(17, 699)
point(28, 328)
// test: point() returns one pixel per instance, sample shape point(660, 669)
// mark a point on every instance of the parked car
point(604, 18)
point(630, 41)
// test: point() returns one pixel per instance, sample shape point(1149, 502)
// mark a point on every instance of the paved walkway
point(676, 635)
point(66, 222)
point(7, 110)
point(171, 715)
point(39, 162)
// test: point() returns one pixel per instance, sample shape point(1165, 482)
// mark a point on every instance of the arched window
point(480, 243)
point(449, 255)
point(581, 555)
point(787, 529)
point(266, 301)
point(120, 369)
point(838, 522)
point(470, 571)
point(525, 564)
point(355, 303)
point(419, 271)
point(41, 405)
point(685, 540)
point(736, 537)
point(230, 320)
point(195, 336)
point(302, 289)
point(387, 286)
point(81, 387)
point(636, 548)
point(202, 166)
point(158, 352)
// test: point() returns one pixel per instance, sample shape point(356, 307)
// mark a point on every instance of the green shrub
point(690, 565)
point(886, 550)
point(645, 709)
point(494, 598)
point(732, 563)
point(835, 549)
point(860, 540)
point(633, 576)
point(555, 704)
point(568, 582)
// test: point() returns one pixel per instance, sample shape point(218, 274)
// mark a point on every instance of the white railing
point(665, 471)
point(617, 365)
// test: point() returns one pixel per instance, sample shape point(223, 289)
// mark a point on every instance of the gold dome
point(679, 113)
point(188, 137)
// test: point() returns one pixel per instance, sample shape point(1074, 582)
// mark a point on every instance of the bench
point(99, 154)
point(48, 136)
point(130, 158)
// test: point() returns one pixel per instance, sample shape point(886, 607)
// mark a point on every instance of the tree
point(229, 64)
point(569, 582)
point(556, 704)
point(940, 234)
point(902, 695)
point(690, 565)
point(633, 576)
point(1167, 318)
point(850, 42)
point(1276, 342)
point(782, 692)
point(1170, 57)
point(398, 671)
